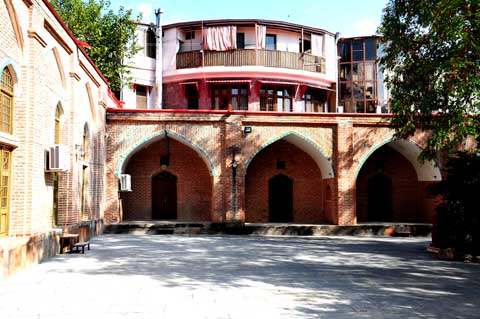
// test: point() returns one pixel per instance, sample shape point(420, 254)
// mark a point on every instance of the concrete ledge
point(171, 227)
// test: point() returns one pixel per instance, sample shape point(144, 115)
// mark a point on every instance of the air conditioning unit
point(57, 159)
point(125, 183)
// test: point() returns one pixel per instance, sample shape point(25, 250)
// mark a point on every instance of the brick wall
point(344, 141)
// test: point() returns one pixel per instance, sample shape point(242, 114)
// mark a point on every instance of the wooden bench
point(76, 247)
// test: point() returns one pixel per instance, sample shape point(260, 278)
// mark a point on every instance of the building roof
point(248, 22)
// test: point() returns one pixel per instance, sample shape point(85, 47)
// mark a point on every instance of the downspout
point(337, 37)
point(159, 60)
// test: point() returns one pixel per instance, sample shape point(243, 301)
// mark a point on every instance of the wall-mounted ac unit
point(125, 183)
point(57, 159)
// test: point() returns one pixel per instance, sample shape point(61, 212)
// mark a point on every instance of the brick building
point(226, 121)
point(51, 94)
point(238, 121)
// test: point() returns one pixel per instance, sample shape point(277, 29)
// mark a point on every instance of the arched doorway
point(388, 189)
point(164, 196)
point(283, 183)
point(380, 198)
point(280, 199)
point(147, 168)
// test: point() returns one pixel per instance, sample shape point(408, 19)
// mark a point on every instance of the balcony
point(248, 57)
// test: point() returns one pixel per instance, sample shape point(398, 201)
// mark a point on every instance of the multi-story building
point(238, 121)
point(53, 104)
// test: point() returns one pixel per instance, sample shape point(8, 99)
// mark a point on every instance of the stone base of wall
point(17, 253)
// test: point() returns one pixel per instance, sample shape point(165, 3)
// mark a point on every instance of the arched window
point(6, 89)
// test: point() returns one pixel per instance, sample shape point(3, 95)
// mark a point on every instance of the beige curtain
point(317, 45)
point(261, 34)
point(220, 38)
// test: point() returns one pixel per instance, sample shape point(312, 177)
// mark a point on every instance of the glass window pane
point(345, 52)
point(288, 105)
point(263, 104)
point(234, 91)
point(345, 90)
point(244, 102)
point(357, 55)
point(279, 105)
point(357, 71)
point(360, 107)
point(234, 103)
point(288, 92)
point(370, 90)
point(279, 92)
point(370, 71)
point(371, 107)
point(370, 49)
point(345, 72)
point(270, 92)
point(357, 45)
point(358, 89)
point(271, 42)
point(348, 107)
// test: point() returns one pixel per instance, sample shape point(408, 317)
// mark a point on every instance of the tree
point(432, 54)
point(111, 35)
point(458, 220)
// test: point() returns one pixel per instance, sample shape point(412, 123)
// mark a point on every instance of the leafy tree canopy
point(432, 54)
point(110, 35)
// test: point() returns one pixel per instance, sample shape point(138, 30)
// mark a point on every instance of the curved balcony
point(249, 57)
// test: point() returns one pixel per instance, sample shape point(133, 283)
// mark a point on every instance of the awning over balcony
point(229, 81)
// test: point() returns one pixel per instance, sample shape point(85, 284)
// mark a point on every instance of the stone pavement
point(131, 276)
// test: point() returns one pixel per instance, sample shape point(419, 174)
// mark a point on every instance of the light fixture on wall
point(247, 130)
point(165, 159)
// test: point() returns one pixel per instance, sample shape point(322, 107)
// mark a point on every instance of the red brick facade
point(312, 148)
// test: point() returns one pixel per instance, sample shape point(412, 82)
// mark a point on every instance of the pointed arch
point(61, 70)
point(426, 171)
point(152, 138)
point(15, 23)
point(305, 144)
point(11, 67)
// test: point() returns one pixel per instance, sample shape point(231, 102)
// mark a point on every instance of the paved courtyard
point(128, 276)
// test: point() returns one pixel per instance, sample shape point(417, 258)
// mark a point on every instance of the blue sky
point(350, 17)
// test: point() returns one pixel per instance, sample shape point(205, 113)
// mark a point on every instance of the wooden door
point(164, 196)
point(5, 157)
point(380, 208)
point(280, 199)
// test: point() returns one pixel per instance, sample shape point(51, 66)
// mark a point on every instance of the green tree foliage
point(432, 53)
point(110, 35)
point(458, 218)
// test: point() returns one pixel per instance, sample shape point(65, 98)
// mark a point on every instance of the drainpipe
point(159, 60)
point(337, 37)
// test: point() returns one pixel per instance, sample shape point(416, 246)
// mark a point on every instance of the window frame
point(216, 91)
point(274, 37)
point(9, 93)
point(265, 96)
